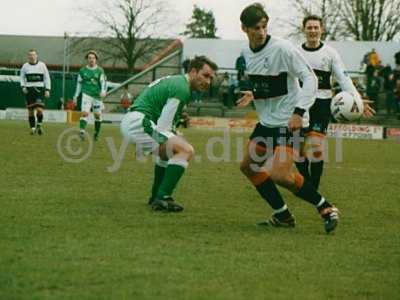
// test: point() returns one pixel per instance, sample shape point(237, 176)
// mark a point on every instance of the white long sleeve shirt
point(35, 75)
point(275, 71)
point(326, 62)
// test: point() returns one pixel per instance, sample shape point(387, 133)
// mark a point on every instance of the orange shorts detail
point(259, 178)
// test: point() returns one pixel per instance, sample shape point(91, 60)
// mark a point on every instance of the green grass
point(77, 231)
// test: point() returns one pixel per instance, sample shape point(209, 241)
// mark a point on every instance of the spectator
point(240, 67)
point(373, 58)
point(397, 58)
point(233, 86)
point(126, 99)
point(224, 90)
point(397, 97)
point(365, 59)
point(369, 72)
point(397, 69)
point(386, 71)
point(373, 88)
point(185, 65)
point(389, 88)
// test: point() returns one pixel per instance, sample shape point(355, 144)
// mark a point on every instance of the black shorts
point(320, 116)
point(270, 138)
point(35, 97)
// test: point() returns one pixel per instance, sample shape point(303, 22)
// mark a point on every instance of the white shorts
point(138, 129)
point(89, 102)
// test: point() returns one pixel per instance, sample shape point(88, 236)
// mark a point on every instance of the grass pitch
point(78, 231)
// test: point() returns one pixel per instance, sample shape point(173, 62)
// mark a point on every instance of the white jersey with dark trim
point(274, 71)
point(326, 62)
point(35, 75)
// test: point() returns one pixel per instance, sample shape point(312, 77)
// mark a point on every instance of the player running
point(151, 122)
point(36, 85)
point(325, 62)
point(93, 85)
point(274, 67)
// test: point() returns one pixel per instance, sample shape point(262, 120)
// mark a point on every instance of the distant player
point(93, 85)
point(325, 62)
point(151, 123)
point(36, 85)
point(274, 67)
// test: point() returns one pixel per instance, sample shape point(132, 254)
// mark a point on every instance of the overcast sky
point(54, 17)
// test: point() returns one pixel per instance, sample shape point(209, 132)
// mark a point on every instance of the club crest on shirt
point(325, 63)
point(266, 63)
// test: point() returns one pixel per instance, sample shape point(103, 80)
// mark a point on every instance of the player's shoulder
point(178, 84)
point(41, 64)
point(175, 80)
point(284, 46)
point(277, 42)
point(25, 65)
point(330, 50)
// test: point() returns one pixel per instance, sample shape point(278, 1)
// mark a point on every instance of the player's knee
point(31, 113)
point(189, 151)
point(249, 169)
point(282, 178)
point(97, 116)
point(318, 154)
point(85, 114)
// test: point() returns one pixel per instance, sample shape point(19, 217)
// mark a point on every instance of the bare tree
point(361, 20)
point(321, 8)
point(371, 20)
point(128, 29)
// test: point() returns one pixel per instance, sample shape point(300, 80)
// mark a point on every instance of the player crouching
point(151, 122)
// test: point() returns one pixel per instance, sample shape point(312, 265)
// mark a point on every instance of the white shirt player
point(325, 62)
point(35, 75)
point(275, 71)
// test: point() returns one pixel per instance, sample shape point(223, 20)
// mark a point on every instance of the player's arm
point(23, 80)
point(298, 67)
point(165, 122)
point(46, 81)
point(78, 88)
point(103, 85)
point(347, 85)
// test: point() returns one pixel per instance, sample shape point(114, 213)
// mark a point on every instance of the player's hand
point(25, 90)
point(245, 99)
point(46, 94)
point(368, 110)
point(295, 122)
point(103, 94)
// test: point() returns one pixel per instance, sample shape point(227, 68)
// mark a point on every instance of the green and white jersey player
point(93, 85)
point(150, 124)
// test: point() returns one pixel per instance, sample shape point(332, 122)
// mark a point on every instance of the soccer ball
point(346, 107)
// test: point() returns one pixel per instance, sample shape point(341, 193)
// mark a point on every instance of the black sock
point(97, 125)
point(271, 194)
point(39, 119)
point(316, 169)
point(303, 168)
point(308, 193)
point(32, 121)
